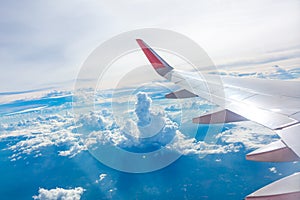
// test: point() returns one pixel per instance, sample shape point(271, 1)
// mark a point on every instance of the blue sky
point(44, 43)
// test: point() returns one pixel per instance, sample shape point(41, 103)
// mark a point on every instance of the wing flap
point(290, 136)
point(274, 152)
point(265, 86)
point(180, 94)
point(285, 188)
point(217, 117)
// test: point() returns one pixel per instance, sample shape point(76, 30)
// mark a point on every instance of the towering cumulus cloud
point(155, 129)
point(142, 109)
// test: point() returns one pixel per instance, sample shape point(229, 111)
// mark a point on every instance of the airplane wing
point(272, 103)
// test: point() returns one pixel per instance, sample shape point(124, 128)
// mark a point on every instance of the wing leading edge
point(271, 103)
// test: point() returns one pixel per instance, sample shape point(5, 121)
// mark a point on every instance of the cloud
point(101, 177)
point(150, 129)
point(273, 170)
point(276, 72)
point(280, 73)
point(142, 109)
point(249, 134)
point(129, 134)
point(283, 57)
point(189, 146)
point(245, 135)
point(35, 134)
point(59, 193)
point(107, 185)
point(94, 121)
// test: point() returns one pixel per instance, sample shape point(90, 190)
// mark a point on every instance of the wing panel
point(266, 118)
point(296, 116)
point(274, 104)
point(291, 136)
point(274, 152)
point(265, 86)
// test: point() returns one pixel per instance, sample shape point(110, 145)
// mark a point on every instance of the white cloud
point(187, 146)
point(150, 128)
point(107, 185)
point(249, 134)
point(142, 109)
point(272, 72)
point(60, 130)
point(42, 132)
point(59, 193)
point(273, 170)
point(102, 176)
point(94, 121)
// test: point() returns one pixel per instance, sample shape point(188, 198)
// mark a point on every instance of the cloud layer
point(35, 134)
point(275, 72)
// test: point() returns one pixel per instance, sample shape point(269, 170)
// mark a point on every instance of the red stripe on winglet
point(154, 60)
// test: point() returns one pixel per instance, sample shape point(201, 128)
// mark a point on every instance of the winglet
point(160, 66)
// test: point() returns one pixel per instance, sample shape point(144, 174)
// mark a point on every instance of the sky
point(44, 43)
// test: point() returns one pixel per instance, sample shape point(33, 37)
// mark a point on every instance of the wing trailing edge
point(181, 94)
point(274, 152)
point(218, 117)
point(285, 188)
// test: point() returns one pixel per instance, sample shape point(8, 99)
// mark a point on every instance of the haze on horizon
point(44, 44)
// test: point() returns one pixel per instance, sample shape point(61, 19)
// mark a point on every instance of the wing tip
point(141, 43)
point(159, 64)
